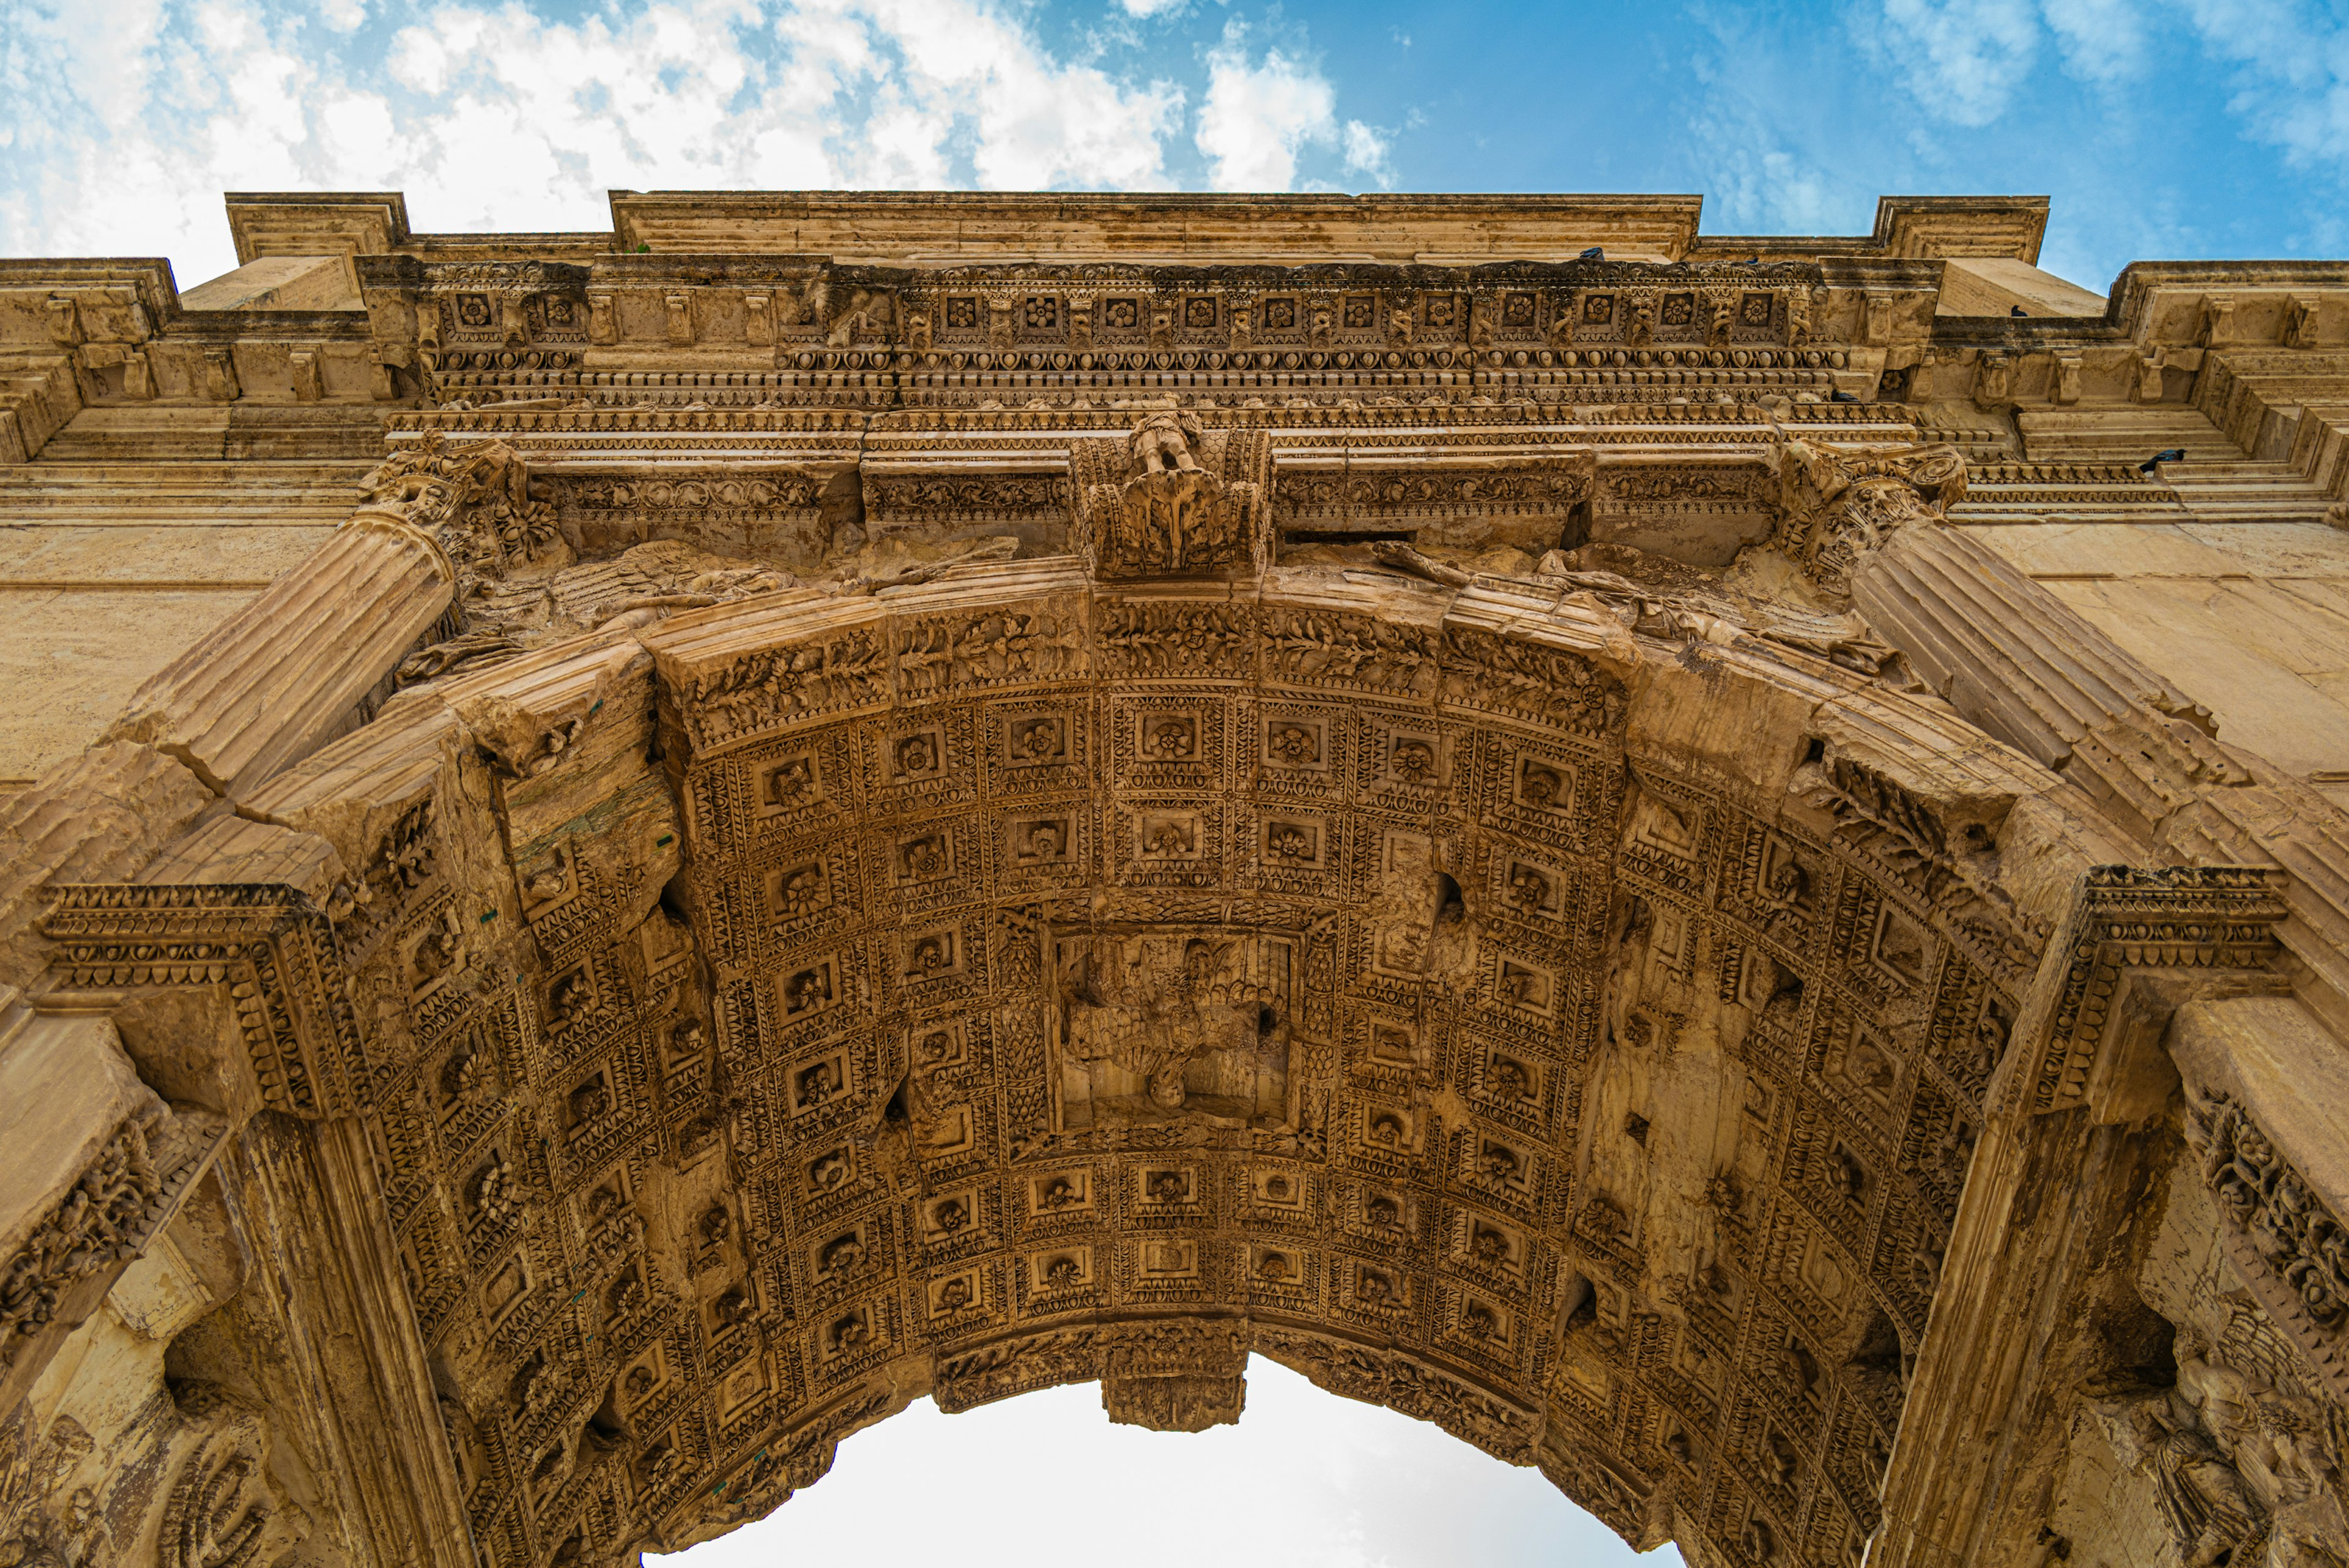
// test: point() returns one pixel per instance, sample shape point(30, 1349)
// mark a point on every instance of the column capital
point(1837, 504)
point(469, 503)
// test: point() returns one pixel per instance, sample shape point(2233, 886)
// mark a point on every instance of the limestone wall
point(1695, 863)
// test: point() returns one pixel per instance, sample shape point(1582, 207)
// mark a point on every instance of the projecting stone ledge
point(1178, 1404)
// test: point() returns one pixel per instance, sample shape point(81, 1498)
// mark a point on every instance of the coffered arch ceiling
point(1570, 1036)
point(832, 833)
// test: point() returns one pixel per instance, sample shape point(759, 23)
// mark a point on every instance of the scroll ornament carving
point(984, 493)
point(1171, 517)
point(2293, 1235)
point(1836, 505)
point(1544, 487)
point(724, 493)
point(1552, 684)
point(1879, 818)
point(96, 1223)
point(1407, 1384)
point(793, 1463)
point(781, 684)
point(1359, 652)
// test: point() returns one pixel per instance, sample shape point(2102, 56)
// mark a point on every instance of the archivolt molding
point(728, 1096)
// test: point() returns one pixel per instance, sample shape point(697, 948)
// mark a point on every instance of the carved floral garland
point(96, 1224)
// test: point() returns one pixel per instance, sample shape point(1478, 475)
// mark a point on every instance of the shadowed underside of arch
point(811, 1003)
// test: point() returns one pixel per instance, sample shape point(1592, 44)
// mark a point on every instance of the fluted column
point(286, 674)
point(2173, 967)
point(2026, 667)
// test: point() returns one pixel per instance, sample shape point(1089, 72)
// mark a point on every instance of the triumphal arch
point(1717, 864)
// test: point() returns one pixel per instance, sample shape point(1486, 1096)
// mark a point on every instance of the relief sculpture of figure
point(2211, 1512)
point(1175, 1029)
point(2201, 1444)
point(1164, 442)
point(1159, 509)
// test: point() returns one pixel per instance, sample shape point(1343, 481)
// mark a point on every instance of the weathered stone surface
point(1606, 854)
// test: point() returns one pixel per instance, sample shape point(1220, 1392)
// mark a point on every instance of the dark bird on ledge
point(1596, 253)
point(2171, 454)
point(2016, 310)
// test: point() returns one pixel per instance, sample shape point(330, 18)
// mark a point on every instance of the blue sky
point(2160, 128)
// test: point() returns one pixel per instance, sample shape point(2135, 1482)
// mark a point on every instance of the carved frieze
point(1526, 502)
point(2283, 1238)
point(100, 1221)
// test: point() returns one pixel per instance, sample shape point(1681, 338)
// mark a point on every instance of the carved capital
point(471, 504)
point(1837, 505)
point(270, 947)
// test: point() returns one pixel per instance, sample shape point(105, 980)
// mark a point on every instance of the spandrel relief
point(1174, 1024)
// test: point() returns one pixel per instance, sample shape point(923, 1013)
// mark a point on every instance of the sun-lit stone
point(1718, 866)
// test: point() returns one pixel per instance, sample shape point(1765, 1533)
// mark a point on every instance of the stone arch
point(1387, 814)
point(1016, 980)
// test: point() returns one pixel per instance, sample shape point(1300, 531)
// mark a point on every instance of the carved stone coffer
point(1174, 1024)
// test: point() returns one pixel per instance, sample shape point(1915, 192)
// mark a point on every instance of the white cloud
point(127, 117)
point(1259, 115)
point(2293, 65)
point(1148, 8)
point(1305, 1479)
point(1961, 59)
point(1761, 169)
point(2103, 41)
point(1366, 150)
